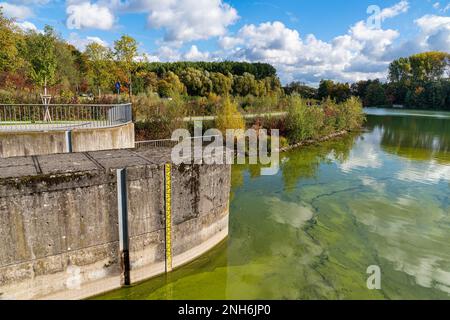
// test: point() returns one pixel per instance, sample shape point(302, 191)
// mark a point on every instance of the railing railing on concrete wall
point(169, 143)
point(39, 117)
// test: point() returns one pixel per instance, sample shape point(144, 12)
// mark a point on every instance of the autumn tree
point(338, 91)
point(426, 66)
point(221, 83)
point(229, 117)
point(10, 42)
point(197, 82)
point(125, 50)
point(99, 65)
point(429, 66)
point(421, 80)
point(170, 86)
point(245, 85)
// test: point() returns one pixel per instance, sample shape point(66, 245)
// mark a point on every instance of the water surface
point(380, 197)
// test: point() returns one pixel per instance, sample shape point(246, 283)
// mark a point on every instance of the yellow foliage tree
point(229, 117)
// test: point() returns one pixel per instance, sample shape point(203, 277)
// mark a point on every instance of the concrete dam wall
point(62, 228)
point(28, 143)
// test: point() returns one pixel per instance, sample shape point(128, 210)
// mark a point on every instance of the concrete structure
point(27, 143)
point(59, 225)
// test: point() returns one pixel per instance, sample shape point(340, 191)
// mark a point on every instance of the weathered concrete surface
point(120, 137)
point(13, 144)
point(200, 209)
point(59, 220)
point(31, 143)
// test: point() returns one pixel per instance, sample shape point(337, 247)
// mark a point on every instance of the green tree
point(270, 86)
point(375, 94)
point(301, 89)
point(400, 70)
point(416, 80)
point(341, 92)
point(99, 65)
point(41, 55)
point(125, 50)
point(426, 66)
point(338, 91)
point(326, 89)
point(303, 122)
point(245, 85)
point(150, 79)
point(171, 86)
point(221, 84)
point(10, 41)
point(68, 72)
point(197, 82)
point(429, 66)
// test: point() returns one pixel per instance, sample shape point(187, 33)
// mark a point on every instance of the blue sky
point(305, 40)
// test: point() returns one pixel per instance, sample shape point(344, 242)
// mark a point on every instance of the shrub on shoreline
point(311, 122)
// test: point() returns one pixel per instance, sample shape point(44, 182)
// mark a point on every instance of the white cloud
point(374, 41)
point(31, 2)
point(145, 57)
point(81, 43)
point(88, 15)
point(432, 23)
point(192, 19)
point(16, 11)
point(195, 55)
point(434, 33)
point(394, 11)
point(362, 53)
point(27, 26)
point(182, 20)
point(269, 42)
point(229, 42)
point(167, 53)
point(354, 56)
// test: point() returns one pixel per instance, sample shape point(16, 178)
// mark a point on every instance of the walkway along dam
point(36, 129)
point(78, 224)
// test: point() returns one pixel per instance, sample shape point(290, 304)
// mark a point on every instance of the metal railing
point(168, 143)
point(40, 117)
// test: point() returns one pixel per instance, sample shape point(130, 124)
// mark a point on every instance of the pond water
point(380, 197)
